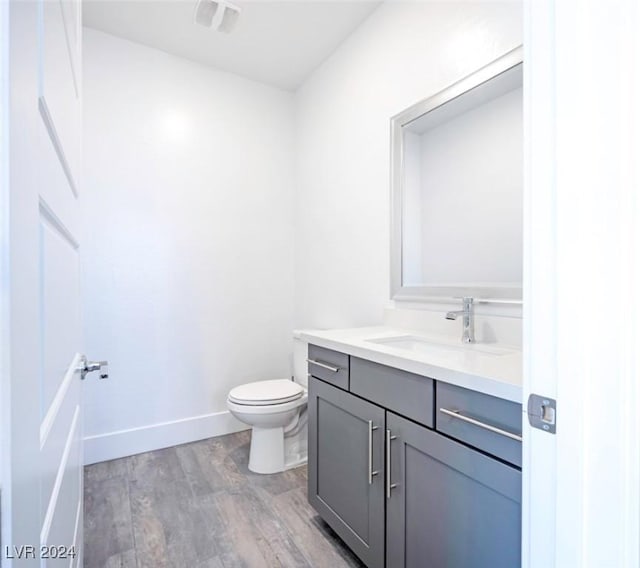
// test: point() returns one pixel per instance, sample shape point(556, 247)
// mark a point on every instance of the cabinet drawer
point(405, 393)
point(330, 366)
point(490, 424)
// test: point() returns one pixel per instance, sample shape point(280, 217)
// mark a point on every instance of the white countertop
point(496, 375)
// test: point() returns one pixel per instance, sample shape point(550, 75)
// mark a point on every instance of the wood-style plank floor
point(198, 506)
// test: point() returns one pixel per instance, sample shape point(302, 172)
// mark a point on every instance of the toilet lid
point(261, 393)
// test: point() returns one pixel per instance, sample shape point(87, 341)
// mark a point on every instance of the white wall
point(403, 53)
point(188, 254)
point(192, 217)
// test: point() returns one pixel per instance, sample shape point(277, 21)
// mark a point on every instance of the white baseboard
point(122, 443)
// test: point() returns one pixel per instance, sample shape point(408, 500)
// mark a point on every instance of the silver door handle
point(323, 365)
point(459, 416)
point(390, 485)
point(371, 472)
point(91, 366)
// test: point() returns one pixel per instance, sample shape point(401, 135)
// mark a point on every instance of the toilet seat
point(266, 393)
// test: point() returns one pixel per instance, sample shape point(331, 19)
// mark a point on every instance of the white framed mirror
point(457, 183)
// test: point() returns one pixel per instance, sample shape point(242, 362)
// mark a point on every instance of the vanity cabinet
point(398, 491)
point(448, 504)
point(346, 440)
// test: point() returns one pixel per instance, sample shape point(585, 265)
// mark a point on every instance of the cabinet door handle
point(323, 365)
point(459, 416)
point(390, 485)
point(371, 472)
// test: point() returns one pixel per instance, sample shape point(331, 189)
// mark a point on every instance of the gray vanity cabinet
point(413, 472)
point(346, 468)
point(449, 505)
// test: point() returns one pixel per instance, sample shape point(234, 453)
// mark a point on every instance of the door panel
point(63, 514)
point(59, 96)
point(452, 506)
point(55, 432)
point(60, 324)
point(42, 488)
point(59, 309)
point(339, 486)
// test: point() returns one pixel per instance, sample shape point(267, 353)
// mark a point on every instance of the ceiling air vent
point(222, 16)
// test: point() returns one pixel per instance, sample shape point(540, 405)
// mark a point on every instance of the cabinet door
point(346, 441)
point(451, 506)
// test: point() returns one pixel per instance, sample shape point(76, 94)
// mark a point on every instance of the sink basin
point(429, 347)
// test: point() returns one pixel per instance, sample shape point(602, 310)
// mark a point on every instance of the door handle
point(323, 365)
point(390, 485)
point(457, 415)
point(87, 366)
point(371, 472)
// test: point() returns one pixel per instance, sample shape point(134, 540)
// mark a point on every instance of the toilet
point(276, 410)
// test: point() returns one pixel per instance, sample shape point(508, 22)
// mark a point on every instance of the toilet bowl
point(276, 410)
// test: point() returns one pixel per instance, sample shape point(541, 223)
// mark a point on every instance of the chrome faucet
point(467, 319)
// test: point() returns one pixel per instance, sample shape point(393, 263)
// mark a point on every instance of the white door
point(581, 487)
point(41, 388)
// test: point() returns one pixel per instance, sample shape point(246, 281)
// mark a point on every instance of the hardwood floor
point(198, 506)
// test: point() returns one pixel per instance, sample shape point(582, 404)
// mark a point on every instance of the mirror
point(457, 184)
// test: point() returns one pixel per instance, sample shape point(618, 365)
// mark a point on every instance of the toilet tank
point(300, 348)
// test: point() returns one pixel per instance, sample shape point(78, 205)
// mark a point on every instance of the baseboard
point(133, 441)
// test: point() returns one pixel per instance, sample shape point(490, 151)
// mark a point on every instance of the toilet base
point(267, 450)
point(273, 451)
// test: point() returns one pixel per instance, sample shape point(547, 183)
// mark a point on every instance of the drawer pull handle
point(390, 485)
point(456, 414)
point(371, 472)
point(323, 365)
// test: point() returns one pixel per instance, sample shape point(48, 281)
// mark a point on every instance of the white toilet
point(276, 410)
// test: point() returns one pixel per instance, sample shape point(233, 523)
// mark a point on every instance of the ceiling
point(278, 43)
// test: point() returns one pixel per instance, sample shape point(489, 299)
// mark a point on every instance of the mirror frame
point(399, 292)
